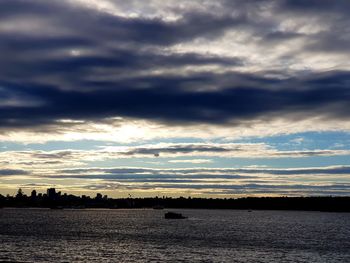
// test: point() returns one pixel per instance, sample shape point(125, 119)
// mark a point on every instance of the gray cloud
point(228, 150)
point(197, 173)
point(294, 181)
point(157, 103)
point(295, 189)
point(11, 172)
point(72, 58)
point(181, 149)
point(40, 159)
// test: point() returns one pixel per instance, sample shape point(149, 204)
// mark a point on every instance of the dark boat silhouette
point(173, 215)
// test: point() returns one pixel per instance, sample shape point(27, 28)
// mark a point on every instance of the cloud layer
point(64, 60)
point(141, 74)
point(200, 181)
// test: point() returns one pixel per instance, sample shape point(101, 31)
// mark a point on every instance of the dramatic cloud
point(172, 80)
point(81, 54)
point(319, 95)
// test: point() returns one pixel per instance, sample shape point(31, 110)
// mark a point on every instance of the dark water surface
point(39, 235)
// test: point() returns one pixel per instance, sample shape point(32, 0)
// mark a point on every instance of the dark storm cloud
point(39, 36)
point(169, 101)
point(332, 42)
point(11, 172)
point(122, 60)
point(22, 7)
point(314, 6)
point(277, 36)
point(103, 26)
point(30, 43)
point(64, 61)
point(332, 16)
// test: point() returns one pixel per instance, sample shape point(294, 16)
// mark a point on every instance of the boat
point(173, 215)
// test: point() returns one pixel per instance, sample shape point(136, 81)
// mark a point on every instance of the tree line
point(56, 200)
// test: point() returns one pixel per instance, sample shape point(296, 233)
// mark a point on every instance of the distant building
point(98, 196)
point(51, 193)
point(33, 194)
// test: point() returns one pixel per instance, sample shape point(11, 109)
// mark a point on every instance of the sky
point(225, 98)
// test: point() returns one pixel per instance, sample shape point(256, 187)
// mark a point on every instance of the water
point(39, 235)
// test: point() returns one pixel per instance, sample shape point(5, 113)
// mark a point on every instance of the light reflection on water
point(38, 235)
